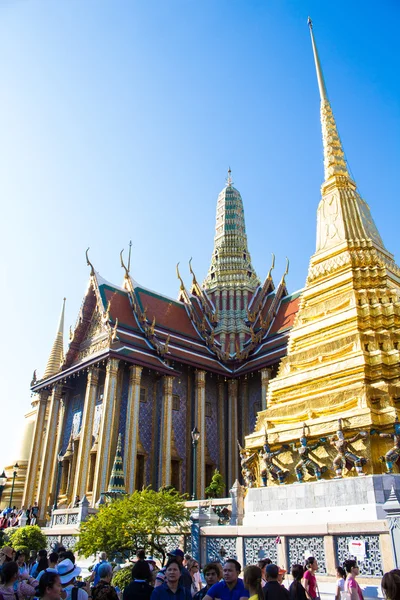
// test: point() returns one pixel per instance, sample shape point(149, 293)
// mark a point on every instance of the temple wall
point(74, 409)
point(179, 424)
point(148, 382)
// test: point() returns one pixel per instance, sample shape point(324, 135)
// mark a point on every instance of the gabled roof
point(134, 324)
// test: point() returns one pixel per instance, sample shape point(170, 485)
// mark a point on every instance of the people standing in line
point(193, 567)
point(263, 564)
point(15, 586)
point(340, 581)
point(139, 588)
point(212, 574)
point(185, 578)
point(296, 590)
point(104, 590)
point(172, 583)
point(231, 587)
point(50, 587)
point(390, 585)
point(95, 577)
point(252, 579)
point(351, 585)
point(309, 579)
point(273, 590)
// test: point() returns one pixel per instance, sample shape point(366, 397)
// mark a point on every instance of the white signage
point(357, 549)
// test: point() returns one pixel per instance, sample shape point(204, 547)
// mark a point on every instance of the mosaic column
point(245, 407)
point(265, 377)
point(233, 470)
point(85, 436)
point(104, 455)
point(72, 470)
point(60, 430)
point(33, 464)
point(166, 432)
point(221, 426)
point(200, 399)
point(49, 449)
point(132, 428)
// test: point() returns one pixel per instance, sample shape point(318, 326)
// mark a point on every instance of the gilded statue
point(344, 457)
point(392, 456)
point(306, 463)
point(247, 465)
point(268, 467)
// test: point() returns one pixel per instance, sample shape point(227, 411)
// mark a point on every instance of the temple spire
point(334, 159)
point(229, 178)
point(57, 352)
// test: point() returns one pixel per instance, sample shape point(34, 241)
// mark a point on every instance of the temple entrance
point(139, 483)
point(176, 474)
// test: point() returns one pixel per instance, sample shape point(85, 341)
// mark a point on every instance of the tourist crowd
point(56, 576)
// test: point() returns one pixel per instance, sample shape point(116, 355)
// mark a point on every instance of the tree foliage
point(135, 521)
point(216, 487)
point(122, 578)
point(29, 537)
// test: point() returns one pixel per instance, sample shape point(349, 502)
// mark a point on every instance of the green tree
point(136, 521)
point(122, 578)
point(30, 537)
point(216, 487)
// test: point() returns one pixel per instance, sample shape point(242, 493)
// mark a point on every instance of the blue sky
point(119, 120)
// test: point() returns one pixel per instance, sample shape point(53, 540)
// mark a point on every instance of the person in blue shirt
point(95, 578)
point(231, 587)
point(171, 589)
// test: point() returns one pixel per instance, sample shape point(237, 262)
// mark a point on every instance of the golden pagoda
point(343, 350)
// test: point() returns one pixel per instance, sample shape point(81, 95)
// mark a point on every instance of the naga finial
point(34, 378)
point(272, 267)
point(287, 268)
point(129, 255)
point(192, 272)
point(182, 288)
point(89, 264)
point(126, 268)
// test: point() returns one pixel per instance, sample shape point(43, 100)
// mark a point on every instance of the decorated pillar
point(132, 428)
point(104, 455)
point(72, 470)
point(166, 432)
point(233, 470)
point(265, 377)
point(60, 430)
point(85, 436)
point(28, 497)
point(200, 400)
point(221, 426)
point(49, 449)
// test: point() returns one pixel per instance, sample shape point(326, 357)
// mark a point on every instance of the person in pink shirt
point(16, 586)
point(351, 585)
point(309, 579)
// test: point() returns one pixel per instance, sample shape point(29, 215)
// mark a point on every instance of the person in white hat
point(68, 572)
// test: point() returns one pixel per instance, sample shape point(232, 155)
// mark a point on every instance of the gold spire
point(343, 216)
point(334, 160)
point(57, 352)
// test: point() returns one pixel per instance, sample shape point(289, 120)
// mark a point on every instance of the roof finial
point(321, 82)
point(182, 288)
point(129, 255)
point(89, 264)
point(126, 268)
point(229, 178)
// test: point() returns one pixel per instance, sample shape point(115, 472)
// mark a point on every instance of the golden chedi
point(341, 373)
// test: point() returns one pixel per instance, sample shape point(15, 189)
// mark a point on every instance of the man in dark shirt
point(212, 574)
point(273, 590)
point(231, 587)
